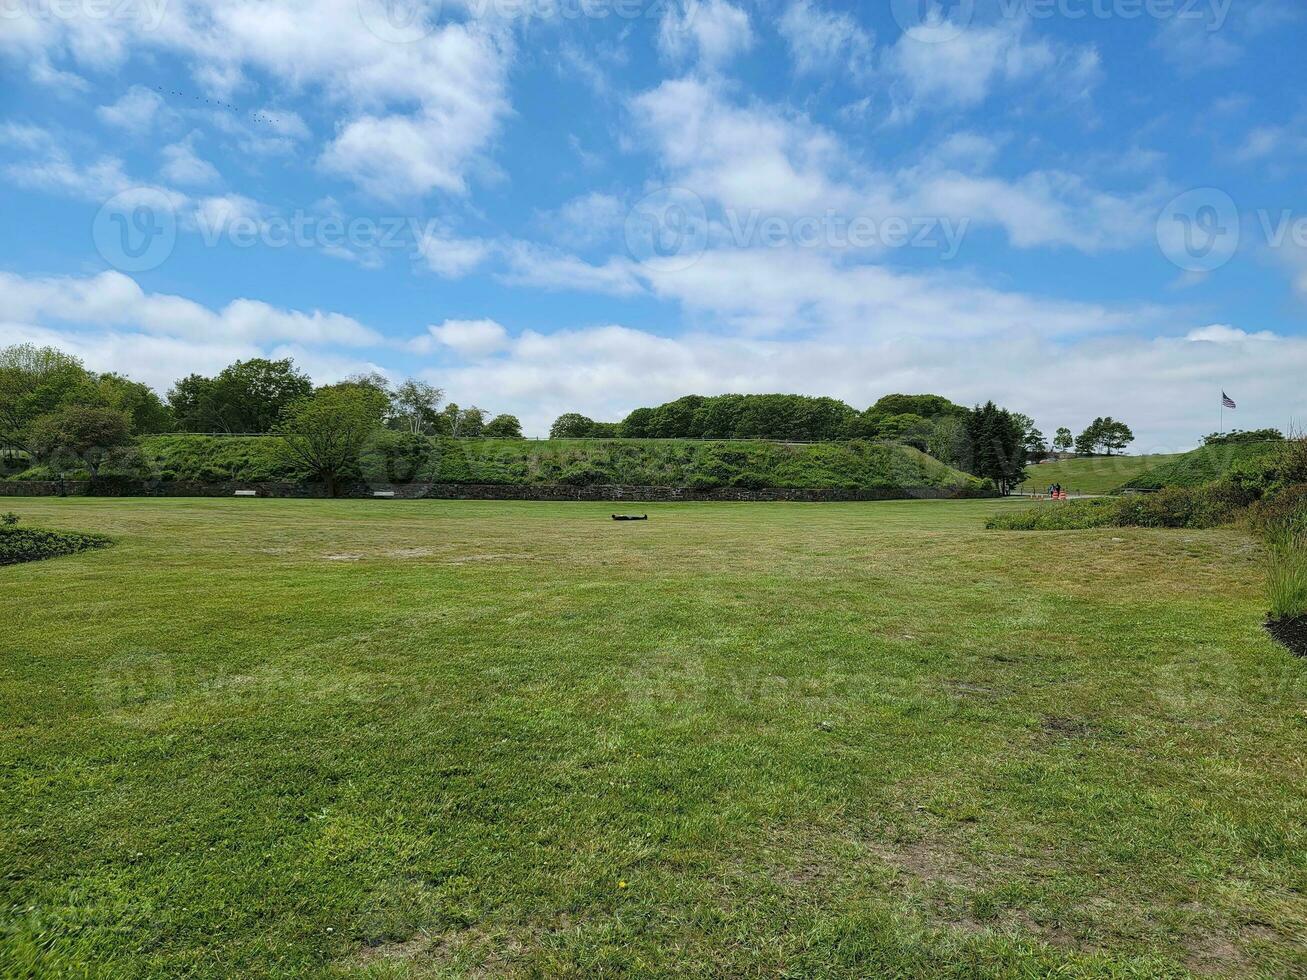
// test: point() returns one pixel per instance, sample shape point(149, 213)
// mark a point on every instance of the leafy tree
point(927, 406)
point(571, 425)
point(676, 419)
point(636, 425)
point(948, 442)
point(145, 409)
point(471, 423)
point(1033, 440)
point(325, 432)
point(1115, 436)
point(1088, 440)
point(416, 406)
point(84, 433)
point(997, 446)
point(247, 396)
point(1063, 440)
point(34, 381)
point(503, 427)
point(908, 429)
point(1104, 433)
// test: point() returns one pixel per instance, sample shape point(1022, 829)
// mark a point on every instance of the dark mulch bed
point(1290, 631)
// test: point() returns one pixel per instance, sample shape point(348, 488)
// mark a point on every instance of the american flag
point(1227, 401)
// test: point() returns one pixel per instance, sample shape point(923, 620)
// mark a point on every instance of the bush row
point(19, 544)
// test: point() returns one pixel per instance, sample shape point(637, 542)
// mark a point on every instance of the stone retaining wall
point(453, 491)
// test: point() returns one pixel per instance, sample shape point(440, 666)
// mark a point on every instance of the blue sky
point(1075, 207)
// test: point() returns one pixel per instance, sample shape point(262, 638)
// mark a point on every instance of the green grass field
point(363, 739)
point(1094, 474)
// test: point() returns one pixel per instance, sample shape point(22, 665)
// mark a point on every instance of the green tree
point(326, 432)
point(1105, 434)
point(1088, 441)
point(1114, 436)
point(145, 409)
point(637, 425)
point(997, 446)
point(907, 429)
point(948, 441)
point(1032, 439)
point(503, 427)
point(471, 423)
point(1063, 440)
point(34, 381)
point(82, 433)
point(247, 396)
point(927, 406)
point(416, 407)
point(571, 425)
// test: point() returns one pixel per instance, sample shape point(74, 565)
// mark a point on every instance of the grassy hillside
point(1094, 474)
point(583, 462)
point(1203, 465)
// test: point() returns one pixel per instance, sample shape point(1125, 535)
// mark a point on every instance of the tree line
point(52, 406)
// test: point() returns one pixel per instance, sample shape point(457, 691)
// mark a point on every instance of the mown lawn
point(1093, 474)
point(390, 739)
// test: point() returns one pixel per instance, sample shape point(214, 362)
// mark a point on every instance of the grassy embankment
point(703, 465)
point(1092, 474)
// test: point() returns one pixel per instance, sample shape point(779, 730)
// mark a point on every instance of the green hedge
point(19, 544)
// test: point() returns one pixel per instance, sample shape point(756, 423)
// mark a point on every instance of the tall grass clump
point(1286, 574)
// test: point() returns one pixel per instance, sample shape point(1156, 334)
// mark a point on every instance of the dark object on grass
point(1291, 631)
point(630, 517)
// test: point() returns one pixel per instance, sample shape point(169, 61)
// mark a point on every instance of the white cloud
point(466, 338)
point(135, 111)
point(585, 220)
point(453, 257)
point(754, 158)
point(414, 116)
point(1222, 333)
point(963, 71)
point(824, 41)
point(182, 165)
point(113, 300)
point(534, 265)
point(714, 30)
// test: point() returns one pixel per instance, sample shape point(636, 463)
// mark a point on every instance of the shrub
point(583, 475)
point(1074, 516)
point(20, 544)
point(1285, 513)
point(397, 457)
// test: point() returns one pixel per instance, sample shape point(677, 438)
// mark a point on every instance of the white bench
point(246, 493)
point(383, 493)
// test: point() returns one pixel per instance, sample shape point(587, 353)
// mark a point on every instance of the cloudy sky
point(1075, 207)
